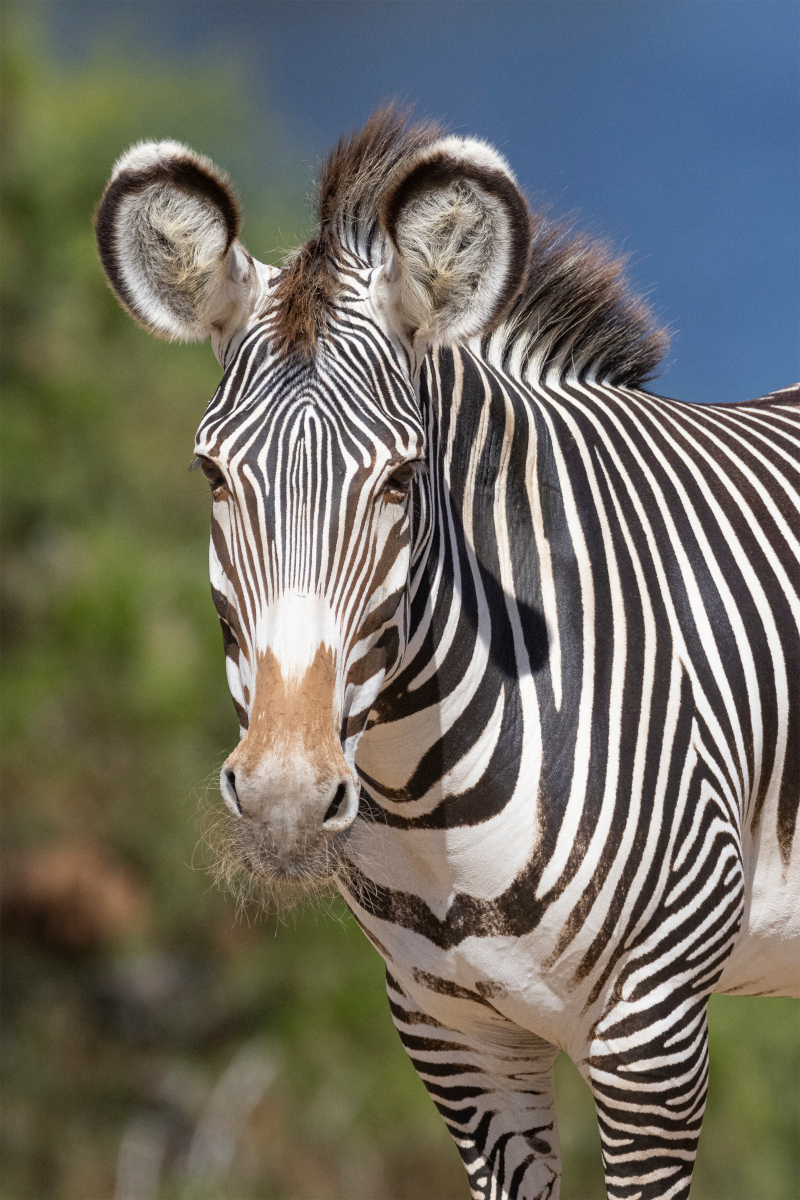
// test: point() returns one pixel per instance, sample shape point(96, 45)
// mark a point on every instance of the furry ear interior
point(166, 230)
point(459, 229)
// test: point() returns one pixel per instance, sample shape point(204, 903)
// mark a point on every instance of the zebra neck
point(448, 740)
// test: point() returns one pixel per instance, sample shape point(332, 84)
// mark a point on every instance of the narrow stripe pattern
point(514, 644)
point(570, 681)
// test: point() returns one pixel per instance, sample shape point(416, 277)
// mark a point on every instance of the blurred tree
point(115, 706)
point(128, 986)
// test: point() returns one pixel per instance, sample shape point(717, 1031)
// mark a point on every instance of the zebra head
point(315, 442)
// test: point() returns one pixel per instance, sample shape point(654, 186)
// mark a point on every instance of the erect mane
point(348, 192)
point(575, 312)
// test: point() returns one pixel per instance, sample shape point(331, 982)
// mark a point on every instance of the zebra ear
point(166, 227)
point(459, 231)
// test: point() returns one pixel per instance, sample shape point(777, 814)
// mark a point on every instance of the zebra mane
point(348, 192)
point(574, 313)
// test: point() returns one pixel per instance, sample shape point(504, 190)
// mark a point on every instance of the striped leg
point(649, 1075)
point(495, 1094)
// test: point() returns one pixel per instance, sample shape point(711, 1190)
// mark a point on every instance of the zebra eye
point(212, 474)
point(397, 485)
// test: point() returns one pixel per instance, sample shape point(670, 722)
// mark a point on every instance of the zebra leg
point(495, 1094)
point(648, 1071)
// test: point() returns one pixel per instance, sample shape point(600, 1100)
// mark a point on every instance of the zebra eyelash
point(212, 472)
point(416, 467)
point(419, 466)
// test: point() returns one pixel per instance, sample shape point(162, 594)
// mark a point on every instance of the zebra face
point(314, 472)
point(313, 444)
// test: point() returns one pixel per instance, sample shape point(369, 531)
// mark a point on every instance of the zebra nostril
point(227, 784)
point(336, 803)
point(343, 808)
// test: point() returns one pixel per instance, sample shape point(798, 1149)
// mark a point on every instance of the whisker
point(243, 861)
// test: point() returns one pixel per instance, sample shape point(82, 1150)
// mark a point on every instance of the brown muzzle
point(288, 775)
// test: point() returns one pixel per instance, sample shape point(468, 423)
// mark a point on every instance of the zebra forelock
point(574, 312)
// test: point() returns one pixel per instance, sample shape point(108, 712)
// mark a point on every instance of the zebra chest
point(458, 924)
point(484, 986)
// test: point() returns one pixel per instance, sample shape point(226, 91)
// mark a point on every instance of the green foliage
point(115, 707)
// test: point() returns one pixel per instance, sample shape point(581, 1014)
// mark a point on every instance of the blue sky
point(669, 126)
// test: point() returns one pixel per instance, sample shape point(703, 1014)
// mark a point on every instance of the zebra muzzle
point(288, 779)
point(340, 802)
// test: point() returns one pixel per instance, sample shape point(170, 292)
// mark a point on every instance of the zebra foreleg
point(495, 1094)
point(649, 1080)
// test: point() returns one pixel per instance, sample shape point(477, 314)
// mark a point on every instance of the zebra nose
point(227, 785)
point(339, 803)
point(342, 807)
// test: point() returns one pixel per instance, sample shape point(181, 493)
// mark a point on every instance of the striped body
point(514, 644)
point(623, 827)
point(580, 782)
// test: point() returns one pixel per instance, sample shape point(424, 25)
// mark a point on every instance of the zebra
point(514, 643)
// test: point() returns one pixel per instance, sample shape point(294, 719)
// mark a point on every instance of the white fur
point(452, 253)
point(469, 150)
point(294, 628)
point(144, 155)
point(170, 247)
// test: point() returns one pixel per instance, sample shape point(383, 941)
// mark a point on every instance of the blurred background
point(154, 1045)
